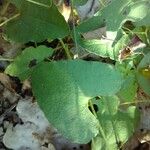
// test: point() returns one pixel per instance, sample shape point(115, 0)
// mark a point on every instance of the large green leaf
point(36, 22)
point(63, 89)
point(22, 65)
point(116, 125)
point(143, 73)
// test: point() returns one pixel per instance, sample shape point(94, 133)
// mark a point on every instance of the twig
point(6, 59)
point(39, 4)
point(6, 21)
point(7, 111)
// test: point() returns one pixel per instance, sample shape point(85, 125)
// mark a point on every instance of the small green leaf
point(36, 23)
point(101, 48)
point(105, 48)
point(143, 79)
point(63, 89)
point(22, 65)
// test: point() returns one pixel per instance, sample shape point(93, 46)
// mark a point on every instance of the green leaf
point(36, 23)
point(105, 48)
point(101, 48)
point(140, 13)
point(143, 74)
point(117, 125)
point(63, 89)
point(22, 65)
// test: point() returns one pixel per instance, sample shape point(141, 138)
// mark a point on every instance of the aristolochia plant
point(66, 89)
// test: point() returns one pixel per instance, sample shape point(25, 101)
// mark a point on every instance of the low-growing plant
point(85, 100)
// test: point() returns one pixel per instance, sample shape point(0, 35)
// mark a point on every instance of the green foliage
point(36, 23)
point(67, 90)
point(64, 83)
point(114, 16)
point(24, 63)
point(116, 125)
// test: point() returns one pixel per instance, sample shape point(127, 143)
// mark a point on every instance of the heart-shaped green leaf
point(63, 89)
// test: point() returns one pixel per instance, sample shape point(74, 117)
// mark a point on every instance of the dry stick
point(7, 111)
point(39, 4)
point(6, 21)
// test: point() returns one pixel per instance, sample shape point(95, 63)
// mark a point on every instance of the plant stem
point(74, 28)
point(112, 122)
point(66, 49)
point(100, 126)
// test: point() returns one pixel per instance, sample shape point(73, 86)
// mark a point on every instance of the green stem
point(66, 49)
point(100, 126)
point(6, 21)
point(102, 3)
point(113, 124)
point(74, 28)
point(92, 108)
